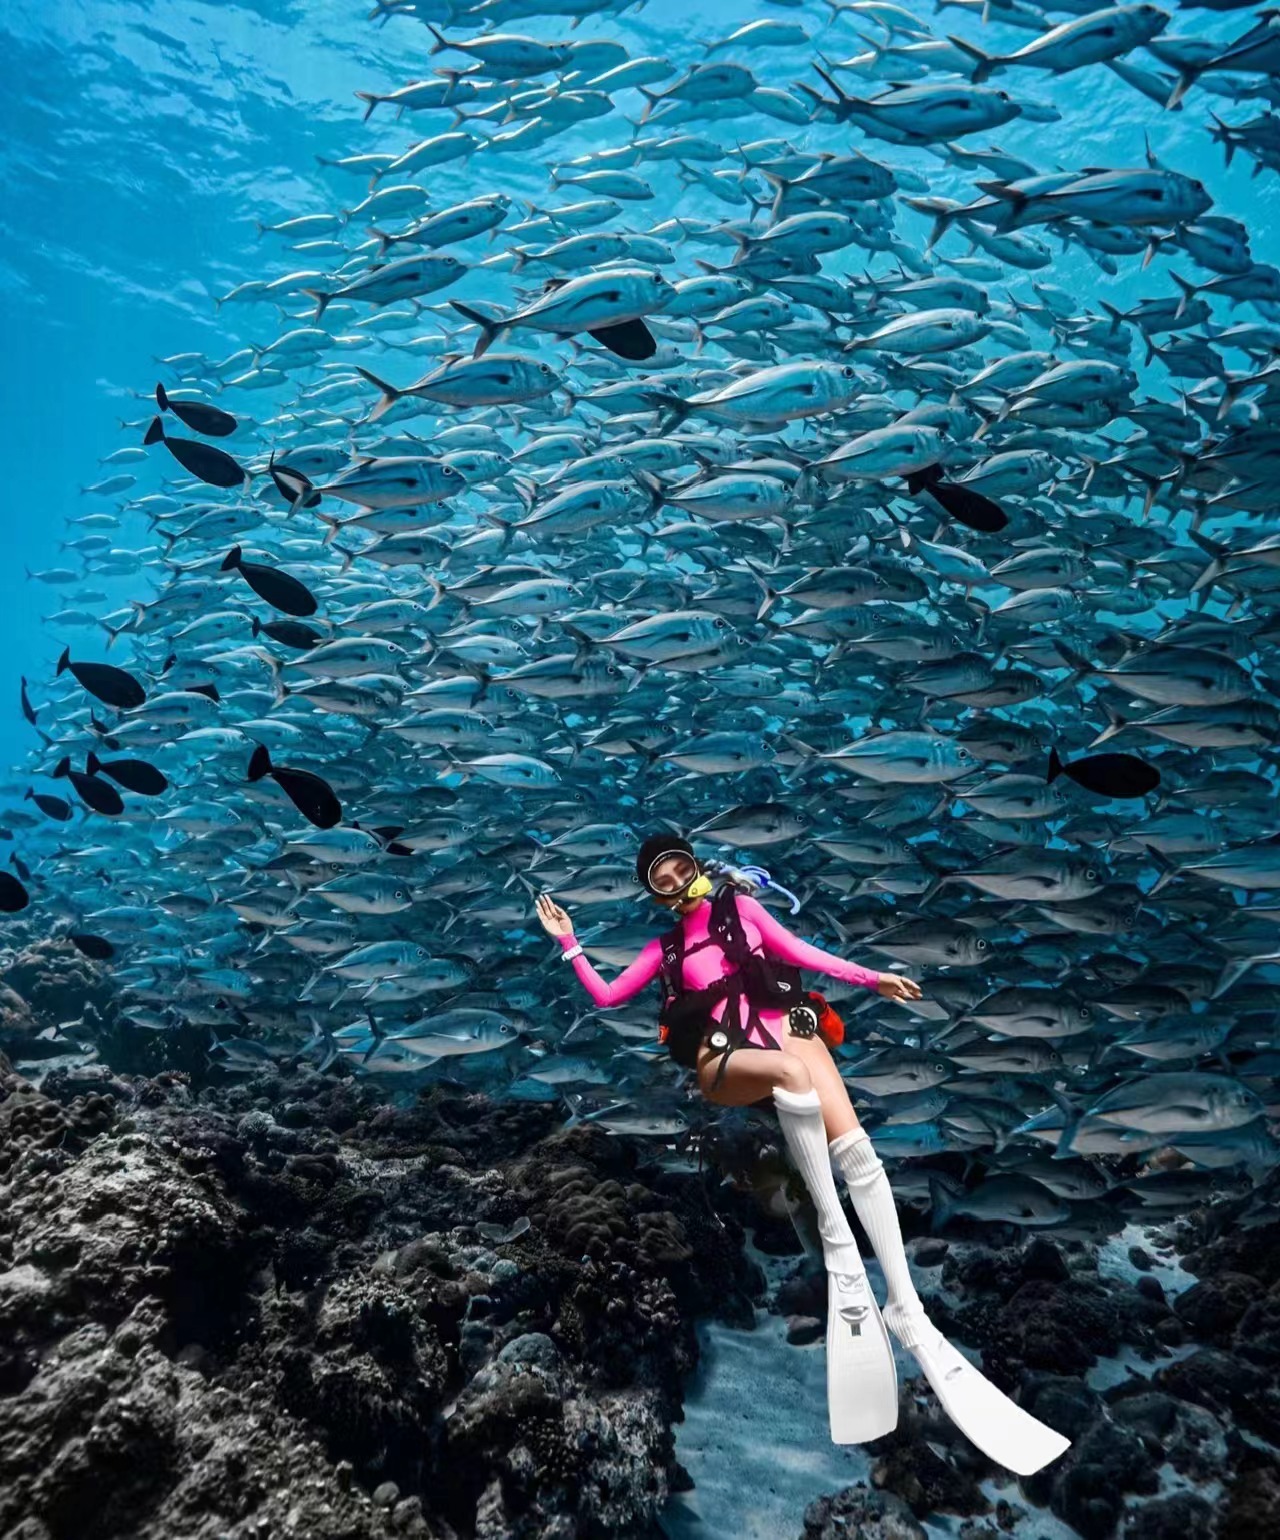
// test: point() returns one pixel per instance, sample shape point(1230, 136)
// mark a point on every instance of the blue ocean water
point(143, 147)
point(143, 141)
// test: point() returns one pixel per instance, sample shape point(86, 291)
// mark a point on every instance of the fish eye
point(847, 371)
point(1086, 1013)
point(721, 622)
point(981, 944)
point(1090, 875)
point(400, 893)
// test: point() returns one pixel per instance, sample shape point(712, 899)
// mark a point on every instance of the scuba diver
point(735, 1013)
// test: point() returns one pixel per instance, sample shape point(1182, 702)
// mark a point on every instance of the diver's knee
point(792, 1073)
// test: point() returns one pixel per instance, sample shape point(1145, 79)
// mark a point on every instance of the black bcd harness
point(763, 983)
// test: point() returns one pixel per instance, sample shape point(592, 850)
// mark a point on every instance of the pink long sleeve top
point(700, 967)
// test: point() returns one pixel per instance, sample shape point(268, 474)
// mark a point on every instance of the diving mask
point(675, 884)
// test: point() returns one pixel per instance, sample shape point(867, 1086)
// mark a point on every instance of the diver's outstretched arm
point(781, 943)
point(629, 982)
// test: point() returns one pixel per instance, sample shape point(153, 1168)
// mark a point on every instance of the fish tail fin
point(162, 399)
point(333, 524)
point(1056, 767)
point(984, 64)
point(372, 100)
point(390, 393)
point(64, 661)
point(1220, 134)
point(155, 433)
point(1168, 871)
point(62, 768)
point(322, 301)
point(769, 595)
point(941, 1207)
point(490, 331)
point(231, 559)
point(259, 763)
point(347, 556)
point(1189, 292)
point(1187, 77)
point(441, 44)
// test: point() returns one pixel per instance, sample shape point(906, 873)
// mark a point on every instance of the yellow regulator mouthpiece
point(699, 887)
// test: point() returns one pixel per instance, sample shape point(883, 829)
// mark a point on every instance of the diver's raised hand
point(554, 920)
point(894, 987)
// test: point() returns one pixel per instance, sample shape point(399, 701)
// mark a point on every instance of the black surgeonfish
point(111, 685)
point(97, 947)
point(957, 501)
point(92, 790)
point(199, 416)
point(276, 588)
point(133, 774)
point(51, 807)
point(1109, 775)
point(13, 896)
point(203, 461)
point(313, 797)
point(289, 633)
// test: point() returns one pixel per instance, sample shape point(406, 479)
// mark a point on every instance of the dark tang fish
point(277, 588)
point(133, 774)
point(961, 503)
point(212, 465)
point(92, 790)
point(199, 416)
point(289, 633)
point(312, 797)
point(97, 947)
point(111, 685)
point(1109, 775)
point(13, 896)
point(51, 807)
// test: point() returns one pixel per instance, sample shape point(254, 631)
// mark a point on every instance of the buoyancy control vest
point(686, 1019)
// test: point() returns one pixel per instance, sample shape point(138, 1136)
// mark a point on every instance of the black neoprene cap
point(653, 847)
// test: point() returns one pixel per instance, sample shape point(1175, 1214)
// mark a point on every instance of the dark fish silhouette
point(92, 790)
point(277, 588)
point(97, 947)
point(203, 461)
point(28, 710)
point(111, 685)
point(289, 633)
point(199, 416)
point(51, 807)
point(958, 501)
point(296, 489)
point(313, 797)
point(628, 339)
point(1109, 775)
point(133, 774)
point(13, 896)
point(20, 866)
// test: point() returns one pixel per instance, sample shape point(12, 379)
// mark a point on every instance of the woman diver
point(735, 1014)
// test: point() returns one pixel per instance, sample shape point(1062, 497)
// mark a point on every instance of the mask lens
point(673, 877)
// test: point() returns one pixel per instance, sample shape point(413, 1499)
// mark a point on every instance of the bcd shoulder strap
point(673, 958)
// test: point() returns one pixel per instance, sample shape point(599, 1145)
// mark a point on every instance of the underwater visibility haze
point(825, 449)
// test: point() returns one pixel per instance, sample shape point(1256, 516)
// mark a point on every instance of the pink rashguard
point(765, 935)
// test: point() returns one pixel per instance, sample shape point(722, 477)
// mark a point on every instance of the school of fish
point(746, 474)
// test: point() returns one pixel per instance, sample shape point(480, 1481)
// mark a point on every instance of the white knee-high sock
point(873, 1203)
point(800, 1117)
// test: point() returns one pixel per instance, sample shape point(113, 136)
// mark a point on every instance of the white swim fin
point(862, 1381)
point(1002, 1429)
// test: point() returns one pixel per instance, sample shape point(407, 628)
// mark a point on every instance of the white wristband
point(574, 951)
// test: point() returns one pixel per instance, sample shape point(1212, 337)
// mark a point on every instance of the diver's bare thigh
point(750, 1074)
point(837, 1109)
